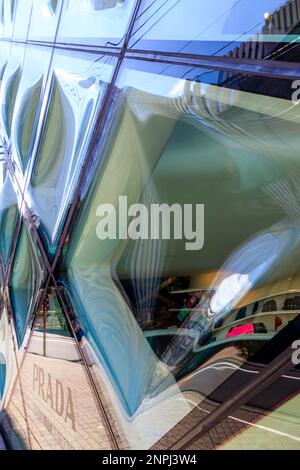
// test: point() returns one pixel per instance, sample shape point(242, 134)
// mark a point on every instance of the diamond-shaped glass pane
point(9, 88)
point(155, 311)
point(77, 89)
point(61, 411)
point(13, 416)
point(26, 280)
point(8, 217)
point(28, 104)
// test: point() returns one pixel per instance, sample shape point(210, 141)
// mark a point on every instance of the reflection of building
point(113, 343)
point(282, 22)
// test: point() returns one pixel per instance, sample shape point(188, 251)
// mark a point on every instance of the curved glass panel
point(95, 22)
point(11, 92)
point(4, 54)
point(7, 359)
point(1, 17)
point(9, 88)
point(13, 415)
point(165, 166)
point(8, 11)
point(77, 88)
point(61, 411)
point(28, 105)
point(22, 19)
point(8, 218)
point(44, 20)
point(27, 114)
point(161, 281)
point(26, 280)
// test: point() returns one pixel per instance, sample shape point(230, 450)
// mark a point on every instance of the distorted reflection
point(77, 88)
point(28, 105)
point(22, 18)
point(96, 22)
point(8, 217)
point(9, 100)
point(240, 28)
point(205, 146)
point(26, 280)
point(61, 411)
point(7, 358)
point(43, 19)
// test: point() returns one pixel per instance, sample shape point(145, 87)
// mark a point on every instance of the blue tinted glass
point(44, 20)
point(95, 22)
point(214, 27)
point(22, 19)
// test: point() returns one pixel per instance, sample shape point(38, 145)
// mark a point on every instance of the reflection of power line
point(282, 21)
point(216, 52)
point(250, 47)
point(149, 18)
point(115, 44)
point(198, 34)
point(146, 9)
point(154, 24)
point(211, 24)
point(221, 48)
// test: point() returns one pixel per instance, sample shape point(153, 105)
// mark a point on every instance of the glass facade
point(157, 337)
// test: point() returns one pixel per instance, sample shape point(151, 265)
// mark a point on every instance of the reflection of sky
point(249, 13)
point(210, 19)
point(90, 18)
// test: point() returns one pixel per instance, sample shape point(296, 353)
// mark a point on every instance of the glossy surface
point(8, 217)
point(26, 279)
point(129, 286)
point(77, 86)
point(213, 28)
point(95, 22)
point(61, 411)
point(28, 104)
point(133, 341)
point(44, 20)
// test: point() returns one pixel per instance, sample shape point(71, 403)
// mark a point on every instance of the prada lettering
point(53, 392)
